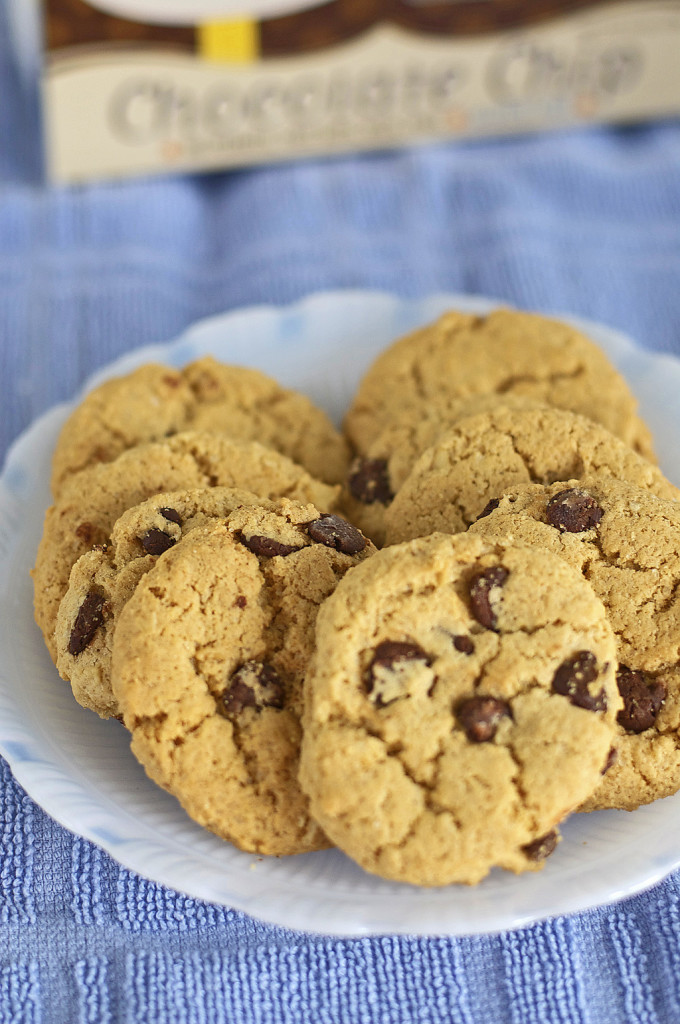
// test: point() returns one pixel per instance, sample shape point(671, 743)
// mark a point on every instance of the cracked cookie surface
point(460, 704)
point(92, 500)
point(506, 353)
point(483, 455)
point(155, 401)
point(626, 543)
point(208, 663)
point(374, 478)
point(103, 580)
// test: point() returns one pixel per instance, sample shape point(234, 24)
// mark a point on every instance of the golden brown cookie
point(482, 456)
point(626, 542)
point(103, 580)
point(154, 402)
point(374, 478)
point(92, 500)
point(208, 663)
point(460, 704)
point(505, 353)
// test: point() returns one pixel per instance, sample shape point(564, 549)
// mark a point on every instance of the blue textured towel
point(586, 222)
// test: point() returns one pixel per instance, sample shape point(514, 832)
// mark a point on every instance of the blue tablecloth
point(586, 222)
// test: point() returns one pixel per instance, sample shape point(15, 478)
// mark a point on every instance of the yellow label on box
point(232, 41)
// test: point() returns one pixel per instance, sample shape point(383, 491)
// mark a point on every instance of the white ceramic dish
point(80, 769)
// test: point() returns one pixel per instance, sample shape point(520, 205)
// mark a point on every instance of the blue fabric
point(586, 222)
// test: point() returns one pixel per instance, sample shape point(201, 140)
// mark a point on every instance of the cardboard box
point(145, 86)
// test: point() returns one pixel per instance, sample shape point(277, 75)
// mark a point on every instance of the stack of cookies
point(426, 640)
point(194, 534)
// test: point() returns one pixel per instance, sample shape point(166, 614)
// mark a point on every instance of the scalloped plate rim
point(45, 781)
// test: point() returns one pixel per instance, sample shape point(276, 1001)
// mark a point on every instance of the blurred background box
point(145, 86)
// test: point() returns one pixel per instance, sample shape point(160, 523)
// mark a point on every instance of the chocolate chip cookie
point(154, 402)
point(505, 353)
point(209, 657)
point(103, 580)
point(373, 479)
point(626, 542)
point(481, 456)
point(461, 702)
point(92, 500)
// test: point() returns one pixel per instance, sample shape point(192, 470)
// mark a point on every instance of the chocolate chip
point(86, 532)
point(464, 644)
point(88, 620)
point(335, 532)
point(612, 758)
point(369, 481)
point(541, 848)
point(254, 685)
point(172, 515)
point(241, 601)
point(642, 699)
point(238, 697)
point(489, 508)
point(155, 542)
point(482, 587)
point(480, 717)
point(390, 651)
point(573, 511)
point(388, 656)
point(572, 678)
point(266, 547)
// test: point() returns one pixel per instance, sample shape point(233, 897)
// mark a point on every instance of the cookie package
point(142, 86)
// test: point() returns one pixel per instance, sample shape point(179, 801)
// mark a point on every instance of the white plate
point(80, 769)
